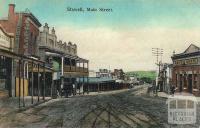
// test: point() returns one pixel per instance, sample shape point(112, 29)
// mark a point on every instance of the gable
point(192, 48)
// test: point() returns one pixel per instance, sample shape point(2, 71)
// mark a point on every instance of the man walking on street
point(73, 89)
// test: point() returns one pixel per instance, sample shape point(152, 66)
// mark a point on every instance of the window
point(30, 44)
point(35, 43)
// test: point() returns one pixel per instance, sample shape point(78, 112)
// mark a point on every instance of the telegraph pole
point(158, 52)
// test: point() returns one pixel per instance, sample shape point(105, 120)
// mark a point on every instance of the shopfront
point(186, 70)
point(6, 43)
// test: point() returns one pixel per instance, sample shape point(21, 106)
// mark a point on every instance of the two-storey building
point(62, 57)
point(26, 68)
point(6, 74)
point(186, 70)
point(25, 27)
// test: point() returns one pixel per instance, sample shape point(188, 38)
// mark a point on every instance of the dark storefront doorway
point(181, 84)
point(5, 74)
point(190, 83)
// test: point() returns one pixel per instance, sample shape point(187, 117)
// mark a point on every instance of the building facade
point(165, 77)
point(118, 74)
point(103, 73)
point(62, 57)
point(6, 63)
point(186, 70)
point(41, 65)
point(25, 28)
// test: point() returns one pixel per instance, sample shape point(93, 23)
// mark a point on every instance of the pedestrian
point(58, 94)
point(154, 87)
point(73, 89)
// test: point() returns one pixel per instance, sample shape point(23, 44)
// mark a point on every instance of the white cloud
point(130, 49)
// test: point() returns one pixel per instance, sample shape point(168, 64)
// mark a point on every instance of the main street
point(116, 109)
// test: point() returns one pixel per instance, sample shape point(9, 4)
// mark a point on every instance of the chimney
point(11, 10)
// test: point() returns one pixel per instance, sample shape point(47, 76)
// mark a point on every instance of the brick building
point(6, 75)
point(186, 70)
point(25, 27)
point(35, 53)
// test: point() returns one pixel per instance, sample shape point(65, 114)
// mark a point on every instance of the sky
point(123, 38)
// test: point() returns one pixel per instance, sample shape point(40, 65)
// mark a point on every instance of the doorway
point(181, 84)
point(190, 83)
point(5, 74)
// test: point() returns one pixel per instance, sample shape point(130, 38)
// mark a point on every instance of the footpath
point(165, 95)
point(11, 104)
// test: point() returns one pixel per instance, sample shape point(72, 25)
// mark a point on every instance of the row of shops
point(34, 62)
point(98, 84)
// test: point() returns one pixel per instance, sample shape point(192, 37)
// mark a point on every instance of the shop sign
point(191, 61)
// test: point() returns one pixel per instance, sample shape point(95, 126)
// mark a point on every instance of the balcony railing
point(75, 69)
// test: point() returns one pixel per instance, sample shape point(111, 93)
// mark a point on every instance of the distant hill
point(143, 74)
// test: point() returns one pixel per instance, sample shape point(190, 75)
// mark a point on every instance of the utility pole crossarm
point(157, 52)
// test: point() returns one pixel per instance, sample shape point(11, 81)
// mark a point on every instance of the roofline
point(191, 45)
point(183, 55)
point(32, 17)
